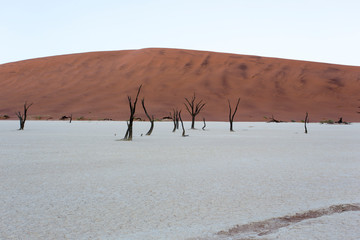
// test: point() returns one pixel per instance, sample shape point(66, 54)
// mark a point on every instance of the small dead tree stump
point(22, 117)
point(203, 128)
point(341, 121)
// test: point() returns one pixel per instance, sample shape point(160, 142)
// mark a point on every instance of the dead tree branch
point(151, 119)
point(175, 118)
point(182, 125)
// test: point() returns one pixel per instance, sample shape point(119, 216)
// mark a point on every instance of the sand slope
point(95, 85)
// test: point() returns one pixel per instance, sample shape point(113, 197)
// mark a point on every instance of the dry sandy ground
point(95, 85)
point(264, 181)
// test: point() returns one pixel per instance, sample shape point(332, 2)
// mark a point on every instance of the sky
point(313, 30)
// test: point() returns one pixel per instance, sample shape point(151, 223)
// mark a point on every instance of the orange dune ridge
point(95, 85)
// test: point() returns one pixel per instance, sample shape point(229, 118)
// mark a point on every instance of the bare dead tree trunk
point(194, 108)
point(306, 121)
point(22, 117)
point(203, 128)
point(182, 125)
point(175, 117)
point(70, 117)
point(127, 131)
point(22, 122)
point(150, 119)
point(231, 117)
point(132, 106)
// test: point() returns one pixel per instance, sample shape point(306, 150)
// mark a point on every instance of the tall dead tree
point(306, 121)
point(231, 116)
point(132, 106)
point(22, 117)
point(151, 119)
point(194, 108)
point(182, 125)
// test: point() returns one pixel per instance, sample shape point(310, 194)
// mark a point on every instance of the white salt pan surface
point(75, 181)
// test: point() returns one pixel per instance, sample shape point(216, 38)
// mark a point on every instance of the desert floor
point(61, 180)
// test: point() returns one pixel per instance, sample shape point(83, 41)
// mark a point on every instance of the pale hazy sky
point(314, 30)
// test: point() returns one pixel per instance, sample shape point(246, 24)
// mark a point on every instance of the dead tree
point(341, 121)
point(151, 119)
point(182, 125)
point(194, 108)
point(306, 121)
point(132, 106)
point(175, 118)
point(66, 117)
point(22, 117)
point(231, 117)
point(203, 128)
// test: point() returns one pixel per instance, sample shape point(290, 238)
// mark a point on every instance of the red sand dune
point(95, 85)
